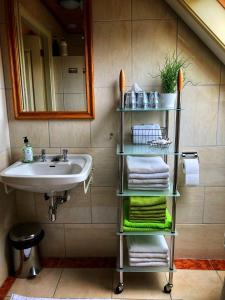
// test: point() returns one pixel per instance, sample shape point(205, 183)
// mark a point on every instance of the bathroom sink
point(48, 176)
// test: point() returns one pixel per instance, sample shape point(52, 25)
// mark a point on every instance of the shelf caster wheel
point(119, 288)
point(168, 288)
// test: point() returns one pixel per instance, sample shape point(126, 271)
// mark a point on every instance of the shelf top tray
point(132, 149)
point(167, 193)
point(145, 109)
point(165, 233)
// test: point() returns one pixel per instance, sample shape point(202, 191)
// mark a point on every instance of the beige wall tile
point(104, 129)
point(104, 204)
point(147, 36)
point(102, 239)
point(112, 52)
point(76, 210)
point(111, 10)
point(4, 128)
point(142, 286)
point(198, 127)
point(25, 206)
point(5, 55)
point(105, 167)
point(43, 285)
point(7, 210)
point(85, 283)
point(150, 9)
point(221, 121)
point(203, 65)
point(2, 83)
point(3, 255)
point(53, 244)
point(223, 74)
point(214, 208)
point(200, 241)
point(5, 157)
point(36, 131)
point(69, 133)
point(190, 205)
point(196, 285)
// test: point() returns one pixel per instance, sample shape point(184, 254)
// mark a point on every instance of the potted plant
point(168, 75)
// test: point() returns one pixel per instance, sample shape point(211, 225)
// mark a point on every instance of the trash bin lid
point(24, 232)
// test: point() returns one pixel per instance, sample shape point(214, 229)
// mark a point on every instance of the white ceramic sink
point(48, 177)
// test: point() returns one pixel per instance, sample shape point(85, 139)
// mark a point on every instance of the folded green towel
point(144, 201)
point(148, 207)
point(147, 221)
point(148, 213)
point(145, 226)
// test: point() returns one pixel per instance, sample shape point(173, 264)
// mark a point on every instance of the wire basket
point(152, 137)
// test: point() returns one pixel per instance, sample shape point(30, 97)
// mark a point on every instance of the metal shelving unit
point(129, 149)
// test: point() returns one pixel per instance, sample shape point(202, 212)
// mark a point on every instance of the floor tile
point(85, 283)
point(193, 264)
point(221, 275)
point(43, 285)
point(196, 285)
point(142, 286)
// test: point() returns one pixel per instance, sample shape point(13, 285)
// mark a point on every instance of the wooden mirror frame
point(15, 69)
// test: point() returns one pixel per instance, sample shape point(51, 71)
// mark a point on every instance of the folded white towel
point(140, 260)
point(149, 264)
point(148, 244)
point(146, 181)
point(146, 165)
point(142, 187)
point(145, 255)
point(148, 176)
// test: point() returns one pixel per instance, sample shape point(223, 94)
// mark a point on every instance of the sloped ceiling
point(207, 19)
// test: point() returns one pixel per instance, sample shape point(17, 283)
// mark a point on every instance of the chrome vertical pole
point(122, 89)
point(175, 175)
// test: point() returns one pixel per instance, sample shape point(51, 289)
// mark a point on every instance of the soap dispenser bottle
point(27, 151)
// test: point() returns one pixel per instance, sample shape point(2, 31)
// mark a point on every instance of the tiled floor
point(99, 283)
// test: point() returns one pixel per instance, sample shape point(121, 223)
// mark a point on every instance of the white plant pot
point(168, 100)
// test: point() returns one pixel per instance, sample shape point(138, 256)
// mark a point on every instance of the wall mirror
point(50, 43)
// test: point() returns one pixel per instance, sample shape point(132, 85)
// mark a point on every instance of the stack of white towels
point(148, 251)
point(147, 173)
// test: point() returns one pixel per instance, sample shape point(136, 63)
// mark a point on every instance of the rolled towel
point(148, 244)
point(148, 176)
point(146, 165)
point(148, 181)
point(146, 201)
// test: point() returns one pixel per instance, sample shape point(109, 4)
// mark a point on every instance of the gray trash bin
point(24, 239)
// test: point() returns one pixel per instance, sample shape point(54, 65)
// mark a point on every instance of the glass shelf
point(146, 109)
point(165, 233)
point(167, 193)
point(131, 149)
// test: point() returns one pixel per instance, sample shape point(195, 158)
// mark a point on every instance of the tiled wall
point(7, 202)
point(134, 35)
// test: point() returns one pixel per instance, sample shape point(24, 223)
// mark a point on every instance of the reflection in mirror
point(54, 53)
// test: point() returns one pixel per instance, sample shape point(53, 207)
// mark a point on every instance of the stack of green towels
point(146, 214)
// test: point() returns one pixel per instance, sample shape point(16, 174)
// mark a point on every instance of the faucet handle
point(65, 153)
point(43, 155)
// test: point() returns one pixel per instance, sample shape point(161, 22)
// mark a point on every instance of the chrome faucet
point(43, 155)
point(65, 155)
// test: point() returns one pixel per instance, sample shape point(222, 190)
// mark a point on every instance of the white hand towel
point(145, 255)
point(146, 181)
point(140, 260)
point(149, 264)
point(149, 244)
point(146, 165)
point(148, 176)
